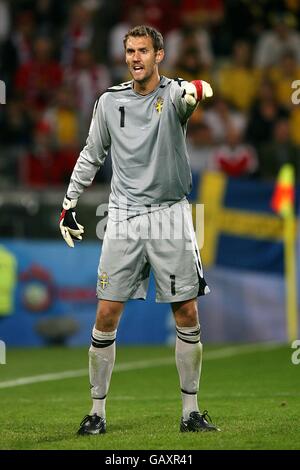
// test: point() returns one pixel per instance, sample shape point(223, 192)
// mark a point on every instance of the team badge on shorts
point(103, 280)
point(159, 104)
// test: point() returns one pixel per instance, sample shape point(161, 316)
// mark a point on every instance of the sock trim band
point(192, 333)
point(189, 342)
point(99, 398)
point(189, 335)
point(188, 393)
point(104, 343)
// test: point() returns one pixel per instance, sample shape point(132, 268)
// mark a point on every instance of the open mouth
point(138, 68)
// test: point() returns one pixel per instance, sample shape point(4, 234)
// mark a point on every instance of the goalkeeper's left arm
point(186, 95)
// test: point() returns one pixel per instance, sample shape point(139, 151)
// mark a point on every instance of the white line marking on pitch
point(134, 365)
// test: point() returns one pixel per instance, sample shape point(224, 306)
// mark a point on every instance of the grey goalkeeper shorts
point(164, 241)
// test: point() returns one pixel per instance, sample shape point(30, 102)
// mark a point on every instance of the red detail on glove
point(62, 215)
point(199, 88)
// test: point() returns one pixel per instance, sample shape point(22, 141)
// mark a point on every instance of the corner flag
point(284, 195)
point(283, 201)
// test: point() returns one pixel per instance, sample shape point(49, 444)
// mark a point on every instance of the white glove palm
point(191, 90)
point(69, 227)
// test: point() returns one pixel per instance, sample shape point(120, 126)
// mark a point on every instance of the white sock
point(98, 407)
point(102, 355)
point(188, 354)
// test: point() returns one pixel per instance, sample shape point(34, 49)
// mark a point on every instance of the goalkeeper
point(143, 124)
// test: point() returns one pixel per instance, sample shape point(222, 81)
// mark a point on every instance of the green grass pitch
point(251, 391)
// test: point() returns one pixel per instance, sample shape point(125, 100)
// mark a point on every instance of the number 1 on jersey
point(122, 117)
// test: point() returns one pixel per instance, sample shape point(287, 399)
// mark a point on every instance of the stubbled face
point(141, 58)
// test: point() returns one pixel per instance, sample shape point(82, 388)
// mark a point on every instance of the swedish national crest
point(103, 280)
point(159, 104)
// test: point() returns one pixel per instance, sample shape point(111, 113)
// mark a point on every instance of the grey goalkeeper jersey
point(146, 139)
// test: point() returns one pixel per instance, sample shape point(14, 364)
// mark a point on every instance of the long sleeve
point(93, 154)
point(183, 110)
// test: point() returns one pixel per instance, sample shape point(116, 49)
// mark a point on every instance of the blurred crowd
point(57, 57)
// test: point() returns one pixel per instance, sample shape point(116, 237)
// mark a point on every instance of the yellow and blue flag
point(240, 228)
